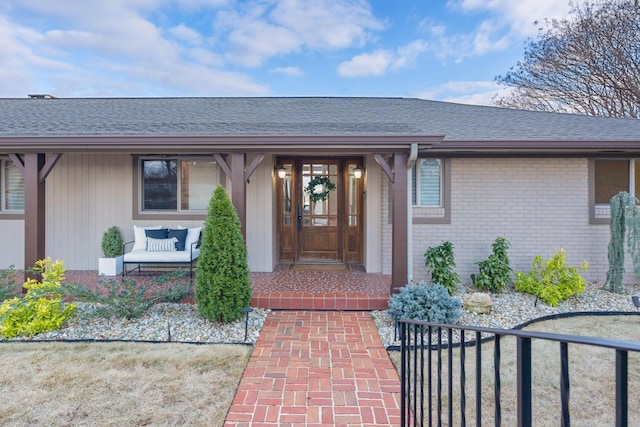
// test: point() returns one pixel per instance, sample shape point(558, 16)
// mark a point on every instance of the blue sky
point(448, 50)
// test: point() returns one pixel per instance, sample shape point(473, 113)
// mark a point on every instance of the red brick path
point(317, 369)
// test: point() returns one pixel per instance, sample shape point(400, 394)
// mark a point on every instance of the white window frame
point(416, 189)
point(178, 210)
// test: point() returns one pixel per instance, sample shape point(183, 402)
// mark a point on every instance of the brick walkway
point(318, 369)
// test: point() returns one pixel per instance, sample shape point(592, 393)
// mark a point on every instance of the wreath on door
point(317, 196)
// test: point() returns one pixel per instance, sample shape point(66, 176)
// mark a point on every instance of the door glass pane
point(352, 198)
point(159, 184)
point(322, 212)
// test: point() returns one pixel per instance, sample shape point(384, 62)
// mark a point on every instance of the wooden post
point(399, 261)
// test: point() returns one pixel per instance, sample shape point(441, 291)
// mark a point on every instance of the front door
point(319, 204)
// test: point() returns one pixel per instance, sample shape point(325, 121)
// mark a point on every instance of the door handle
point(299, 217)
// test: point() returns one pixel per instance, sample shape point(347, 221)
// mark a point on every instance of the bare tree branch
point(587, 64)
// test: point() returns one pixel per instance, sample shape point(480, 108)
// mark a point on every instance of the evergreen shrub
point(422, 301)
point(223, 288)
point(112, 242)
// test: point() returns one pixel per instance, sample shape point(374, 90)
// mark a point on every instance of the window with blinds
point(12, 187)
point(427, 183)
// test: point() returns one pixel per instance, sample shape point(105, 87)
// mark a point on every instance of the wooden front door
point(325, 231)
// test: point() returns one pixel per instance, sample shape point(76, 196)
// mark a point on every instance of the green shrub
point(495, 272)
point(112, 242)
point(552, 281)
point(41, 309)
point(426, 302)
point(440, 262)
point(223, 288)
point(8, 287)
point(127, 298)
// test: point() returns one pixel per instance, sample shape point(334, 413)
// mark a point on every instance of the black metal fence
point(486, 376)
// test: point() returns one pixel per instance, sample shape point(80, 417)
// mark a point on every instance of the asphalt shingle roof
point(300, 116)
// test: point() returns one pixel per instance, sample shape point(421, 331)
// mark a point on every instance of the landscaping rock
point(478, 302)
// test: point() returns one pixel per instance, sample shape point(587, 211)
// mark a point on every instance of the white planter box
point(110, 266)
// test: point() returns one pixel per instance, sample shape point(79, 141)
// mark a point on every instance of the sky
point(448, 50)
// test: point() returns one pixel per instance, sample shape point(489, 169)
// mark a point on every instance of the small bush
point(426, 302)
point(41, 309)
point(8, 287)
point(495, 272)
point(127, 298)
point(552, 281)
point(441, 263)
point(112, 242)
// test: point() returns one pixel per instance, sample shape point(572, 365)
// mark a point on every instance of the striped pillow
point(161, 245)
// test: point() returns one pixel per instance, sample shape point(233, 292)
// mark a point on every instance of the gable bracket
point(18, 161)
point(252, 167)
point(223, 164)
point(48, 166)
point(385, 166)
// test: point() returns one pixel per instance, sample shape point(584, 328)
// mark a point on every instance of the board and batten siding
point(538, 204)
point(261, 217)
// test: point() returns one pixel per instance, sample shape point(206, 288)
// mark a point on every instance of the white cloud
point(367, 64)
point(97, 48)
point(377, 63)
point(464, 92)
point(259, 32)
point(186, 34)
point(289, 71)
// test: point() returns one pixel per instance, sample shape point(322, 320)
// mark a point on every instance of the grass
point(123, 384)
point(592, 380)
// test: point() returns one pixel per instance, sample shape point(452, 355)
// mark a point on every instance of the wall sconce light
point(357, 173)
point(282, 172)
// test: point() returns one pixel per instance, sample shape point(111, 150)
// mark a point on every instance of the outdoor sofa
point(158, 245)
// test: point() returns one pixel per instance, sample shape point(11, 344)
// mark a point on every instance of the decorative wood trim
point(385, 166)
point(18, 161)
point(223, 164)
point(252, 166)
point(48, 166)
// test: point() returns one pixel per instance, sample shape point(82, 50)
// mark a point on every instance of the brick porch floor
point(287, 289)
point(317, 369)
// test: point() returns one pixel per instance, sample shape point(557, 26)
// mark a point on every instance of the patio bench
point(162, 246)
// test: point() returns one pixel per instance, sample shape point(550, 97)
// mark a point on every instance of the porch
point(309, 288)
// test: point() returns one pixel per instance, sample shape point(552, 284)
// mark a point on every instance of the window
point(11, 187)
point(613, 176)
point(177, 185)
point(427, 183)
point(607, 178)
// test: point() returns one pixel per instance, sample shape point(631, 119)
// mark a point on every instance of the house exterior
point(409, 174)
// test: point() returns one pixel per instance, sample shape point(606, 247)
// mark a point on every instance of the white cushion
point(192, 236)
point(161, 245)
point(146, 256)
point(140, 237)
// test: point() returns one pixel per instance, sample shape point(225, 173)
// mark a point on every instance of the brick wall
point(539, 205)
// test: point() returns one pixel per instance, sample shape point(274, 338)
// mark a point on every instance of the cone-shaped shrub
point(222, 277)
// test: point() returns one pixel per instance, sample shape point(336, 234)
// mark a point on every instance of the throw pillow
point(156, 234)
point(140, 237)
point(181, 235)
point(161, 245)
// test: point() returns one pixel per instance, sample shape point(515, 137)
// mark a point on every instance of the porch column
point(400, 229)
point(34, 209)
point(238, 190)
